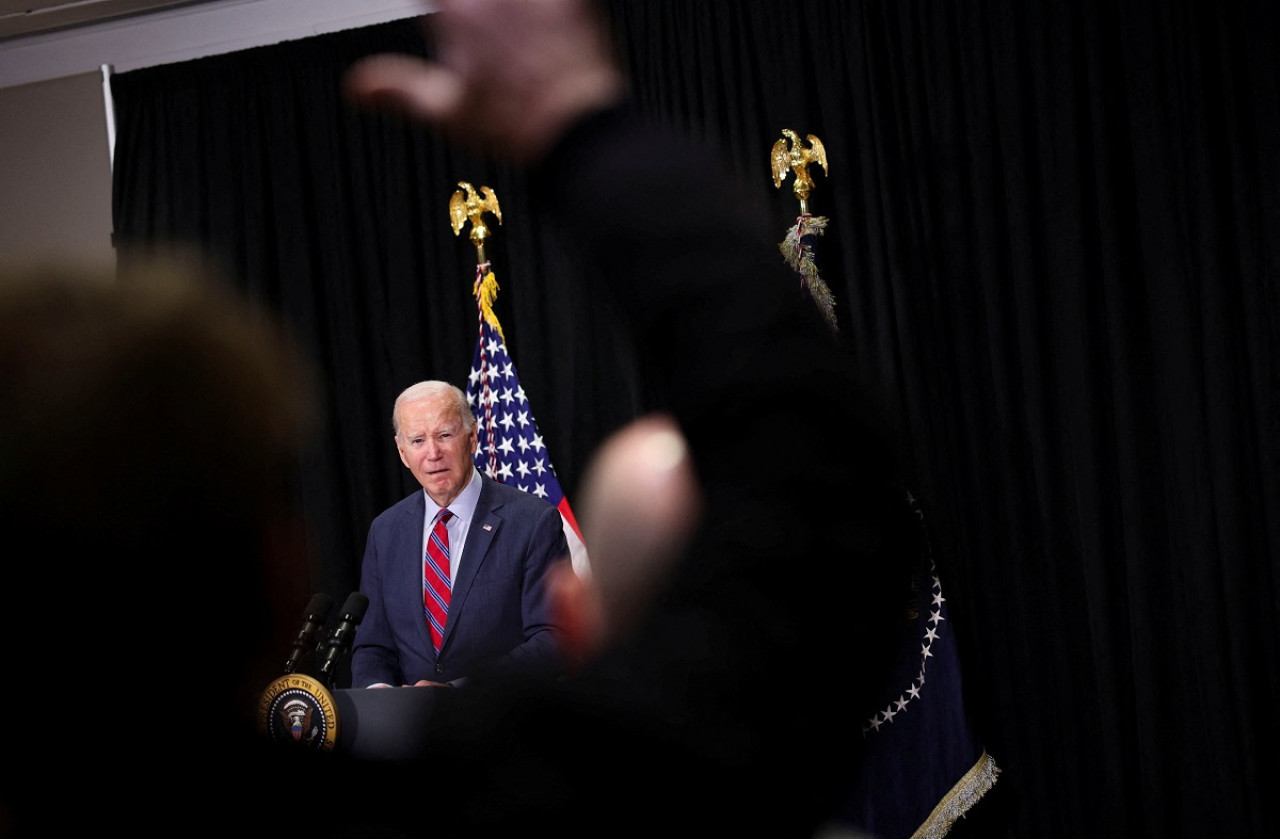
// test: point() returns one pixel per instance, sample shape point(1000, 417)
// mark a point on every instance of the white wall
point(55, 125)
point(55, 174)
point(188, 32)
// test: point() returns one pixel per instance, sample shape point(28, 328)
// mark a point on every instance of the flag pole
point(790, 155)
point(510, 449)
point(924, 767)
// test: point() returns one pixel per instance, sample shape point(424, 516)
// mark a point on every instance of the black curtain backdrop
point(1054, 243)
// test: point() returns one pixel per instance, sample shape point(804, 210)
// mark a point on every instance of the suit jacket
point(499, 618)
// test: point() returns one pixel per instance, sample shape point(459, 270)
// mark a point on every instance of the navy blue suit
point(499, 617)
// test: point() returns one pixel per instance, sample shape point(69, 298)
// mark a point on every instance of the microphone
point(340, 640)
point(313, 621)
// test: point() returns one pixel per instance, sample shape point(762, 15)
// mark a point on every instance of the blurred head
point(435, 434)
point(151, 431)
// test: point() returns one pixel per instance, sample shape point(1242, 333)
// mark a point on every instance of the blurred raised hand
point(508, 77)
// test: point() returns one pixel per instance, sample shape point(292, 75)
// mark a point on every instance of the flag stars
point(510, 448)
point(931, 632)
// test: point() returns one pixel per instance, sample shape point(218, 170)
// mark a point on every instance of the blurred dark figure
point(151, 428)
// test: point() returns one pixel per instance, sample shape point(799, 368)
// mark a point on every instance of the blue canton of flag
point(511, 449)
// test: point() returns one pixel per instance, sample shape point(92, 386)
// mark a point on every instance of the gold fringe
point(485, 291)
point(980, 778)
point(799, 255)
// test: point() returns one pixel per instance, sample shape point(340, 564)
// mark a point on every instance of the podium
point(362, 723)
point(382, 723)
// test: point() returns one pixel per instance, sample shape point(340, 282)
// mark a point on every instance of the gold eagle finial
point(468, 205)
point(797, 158)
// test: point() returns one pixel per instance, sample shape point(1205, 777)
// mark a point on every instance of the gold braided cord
point(980, 778)
point(485, 291)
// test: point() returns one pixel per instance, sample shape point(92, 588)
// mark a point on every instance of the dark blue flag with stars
point(924, 766)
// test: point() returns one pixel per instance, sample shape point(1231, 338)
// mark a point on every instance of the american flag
point(511, 448)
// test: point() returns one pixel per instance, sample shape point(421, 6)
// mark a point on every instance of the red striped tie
point(435, 578)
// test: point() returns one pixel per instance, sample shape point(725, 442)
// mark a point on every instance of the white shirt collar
point(462, 507)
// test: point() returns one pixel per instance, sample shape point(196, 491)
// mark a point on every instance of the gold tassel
point(485, 291)
point(799, 255)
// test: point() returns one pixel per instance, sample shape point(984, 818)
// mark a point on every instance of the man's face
point(435, 447)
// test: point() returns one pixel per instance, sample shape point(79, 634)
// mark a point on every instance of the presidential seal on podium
point(299, 710)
